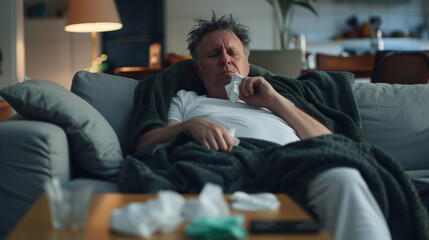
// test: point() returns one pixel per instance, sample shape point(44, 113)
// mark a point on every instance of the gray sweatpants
point(346, 206)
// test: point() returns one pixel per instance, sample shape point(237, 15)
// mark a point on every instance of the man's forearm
point(160, 135)
point(305, 125)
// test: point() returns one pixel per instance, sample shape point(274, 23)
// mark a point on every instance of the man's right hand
point(209, 134)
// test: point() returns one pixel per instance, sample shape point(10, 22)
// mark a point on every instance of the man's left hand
point(256, 91)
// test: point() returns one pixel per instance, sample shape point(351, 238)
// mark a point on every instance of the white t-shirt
point(248, 121)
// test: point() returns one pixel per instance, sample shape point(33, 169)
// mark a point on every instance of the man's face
point(221, 55)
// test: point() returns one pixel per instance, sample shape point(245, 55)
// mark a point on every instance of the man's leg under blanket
point(345, 205)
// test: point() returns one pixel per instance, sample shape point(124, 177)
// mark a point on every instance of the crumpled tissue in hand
point(232, 89)
point(254, 202)
point(235, 141)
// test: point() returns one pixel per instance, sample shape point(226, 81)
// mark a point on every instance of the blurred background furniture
point(137, 72)
point(171, 58)
point(360, 65)
point(405, 67)
point(4, 110)
point(287, 63)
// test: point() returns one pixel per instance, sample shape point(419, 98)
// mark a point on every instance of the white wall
point(54, 54)
point(257, 15)
point(180, 19)
point(11, 42)
point(51, 52)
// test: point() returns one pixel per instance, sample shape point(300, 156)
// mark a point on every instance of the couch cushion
point(112, 96)
point(98, 185)
point(93, 143)
point(396, 118)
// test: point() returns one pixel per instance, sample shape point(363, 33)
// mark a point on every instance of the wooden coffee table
point(36, 224)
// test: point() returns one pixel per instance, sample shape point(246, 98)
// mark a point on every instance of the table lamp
point(92, 16)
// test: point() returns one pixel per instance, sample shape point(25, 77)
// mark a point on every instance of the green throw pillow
point(94, 146)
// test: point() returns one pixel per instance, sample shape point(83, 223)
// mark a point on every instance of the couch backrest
point(396, 118)
point(112, 96)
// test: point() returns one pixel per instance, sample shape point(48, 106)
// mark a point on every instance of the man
point(220, 47)
point(220, 54)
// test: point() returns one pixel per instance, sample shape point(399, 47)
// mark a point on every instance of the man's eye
point(233, 53)
point(213, 55)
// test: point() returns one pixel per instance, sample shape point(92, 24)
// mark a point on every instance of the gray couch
point(394, 117)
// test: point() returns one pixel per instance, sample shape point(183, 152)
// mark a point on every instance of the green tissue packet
point(217, 227)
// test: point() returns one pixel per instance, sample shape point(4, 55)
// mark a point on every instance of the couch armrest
point(30, 153)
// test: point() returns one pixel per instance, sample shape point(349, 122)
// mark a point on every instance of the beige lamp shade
point(92, 16)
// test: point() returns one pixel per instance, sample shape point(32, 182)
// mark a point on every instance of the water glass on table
point(68, 204)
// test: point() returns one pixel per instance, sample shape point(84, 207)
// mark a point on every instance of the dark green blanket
point(253, 166)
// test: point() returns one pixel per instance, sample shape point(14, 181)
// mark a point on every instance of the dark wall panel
point(143, 25)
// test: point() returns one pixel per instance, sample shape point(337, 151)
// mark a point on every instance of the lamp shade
point(92, 16)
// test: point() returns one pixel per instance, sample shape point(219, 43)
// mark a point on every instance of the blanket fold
point(184, 166)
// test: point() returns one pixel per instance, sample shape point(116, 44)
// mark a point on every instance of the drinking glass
point(68, 204)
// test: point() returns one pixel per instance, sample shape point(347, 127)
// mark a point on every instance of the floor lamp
point(92, 16)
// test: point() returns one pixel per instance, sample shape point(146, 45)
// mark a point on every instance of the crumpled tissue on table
point(254, 202)
point(167, 211)
point(210, 202)
point(232, 89)
point(143, 219)
point(209, 214)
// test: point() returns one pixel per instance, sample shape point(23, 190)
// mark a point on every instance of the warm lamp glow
point(92, 16)
point(93, 27)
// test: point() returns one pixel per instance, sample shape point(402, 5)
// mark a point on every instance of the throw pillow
point(394, 118)
point(93, 143)
point(112, 96)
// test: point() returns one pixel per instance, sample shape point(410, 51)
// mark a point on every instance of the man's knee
point(340, 178)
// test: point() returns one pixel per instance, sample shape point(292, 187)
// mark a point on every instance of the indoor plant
point(283, 15)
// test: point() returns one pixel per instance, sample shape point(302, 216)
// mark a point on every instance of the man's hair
point(204, 27)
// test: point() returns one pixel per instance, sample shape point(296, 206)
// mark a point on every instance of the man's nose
point(225, 59)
